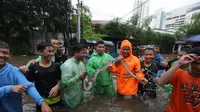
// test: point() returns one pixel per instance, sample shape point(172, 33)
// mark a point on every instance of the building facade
point(173, 20)
point(178, 17)
point(190, 12)
point(142, 9)
point(158, 19)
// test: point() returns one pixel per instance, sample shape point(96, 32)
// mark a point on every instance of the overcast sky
point(108, 9)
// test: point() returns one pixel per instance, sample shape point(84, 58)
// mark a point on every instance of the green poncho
point(71, 86)
point(96, 62)
point(104, 82)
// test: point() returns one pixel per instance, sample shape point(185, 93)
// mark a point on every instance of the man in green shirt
point(104, 82)
point(72, 74)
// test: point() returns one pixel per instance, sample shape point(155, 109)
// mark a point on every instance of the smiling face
point(4, 55)
point(82, 54)
point(148, 55)
point(125, 51)
point(48, 53)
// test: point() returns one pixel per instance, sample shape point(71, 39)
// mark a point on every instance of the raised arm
point(186, 59)
point(163, 80)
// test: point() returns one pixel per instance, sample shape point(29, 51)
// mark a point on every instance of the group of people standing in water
point(58, 80)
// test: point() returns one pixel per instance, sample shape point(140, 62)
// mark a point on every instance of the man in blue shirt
point(13, 83)
point(159, 58)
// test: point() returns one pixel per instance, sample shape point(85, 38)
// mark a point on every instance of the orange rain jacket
point(127, 86)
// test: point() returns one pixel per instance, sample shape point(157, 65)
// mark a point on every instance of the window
point(168, 13)
point(182, 15)
point(168, 18)
point(175, 17)
point(167, 24)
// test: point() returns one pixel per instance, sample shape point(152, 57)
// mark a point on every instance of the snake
point(90, 80)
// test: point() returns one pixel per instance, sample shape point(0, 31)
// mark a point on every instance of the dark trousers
point(149, 90)
point(140, 89)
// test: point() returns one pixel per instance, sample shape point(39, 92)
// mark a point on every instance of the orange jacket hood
point(128, 44)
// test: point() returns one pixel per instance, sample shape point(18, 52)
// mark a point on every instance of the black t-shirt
point(150, 88)
point(61, 59)
point(170, 63)
point(45, 78)
point(155, 66)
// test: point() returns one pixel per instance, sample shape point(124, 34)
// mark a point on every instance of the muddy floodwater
point(102, 103)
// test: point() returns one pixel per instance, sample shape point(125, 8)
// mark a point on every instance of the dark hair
point(77, 48)
point(148, 49)
point(155, 46)
point(100, 42)
point(186, 49)
point(196, 50)
point(60, 43)
point(43, 45)
point(50, 39)
point(4, 45)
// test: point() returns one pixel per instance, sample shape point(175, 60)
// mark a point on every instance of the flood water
point(102, 103)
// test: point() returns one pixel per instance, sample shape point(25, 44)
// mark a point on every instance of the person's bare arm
point(163, 80)
point(54, 91)
point(186, 59)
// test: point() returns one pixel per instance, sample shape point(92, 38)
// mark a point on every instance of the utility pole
point(78, 22)
point(81, 19)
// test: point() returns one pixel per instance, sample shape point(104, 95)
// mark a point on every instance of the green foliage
point(115, 28)
point(191, 29)
point(88, 31)
point(98, 28)
point(91, 35)
point(146, 35)
point(142, 32)
point(20, 45)
point(19, 18)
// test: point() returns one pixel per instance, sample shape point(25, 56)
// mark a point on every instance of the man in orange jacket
point(127, 85)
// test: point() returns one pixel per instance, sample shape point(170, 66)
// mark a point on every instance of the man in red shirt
point(186, 84)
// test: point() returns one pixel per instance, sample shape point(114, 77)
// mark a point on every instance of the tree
point(191, 29)
point(142, 32)
point(116, 28)
point(88, 30)
point(98, 28)
point(19, 18)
